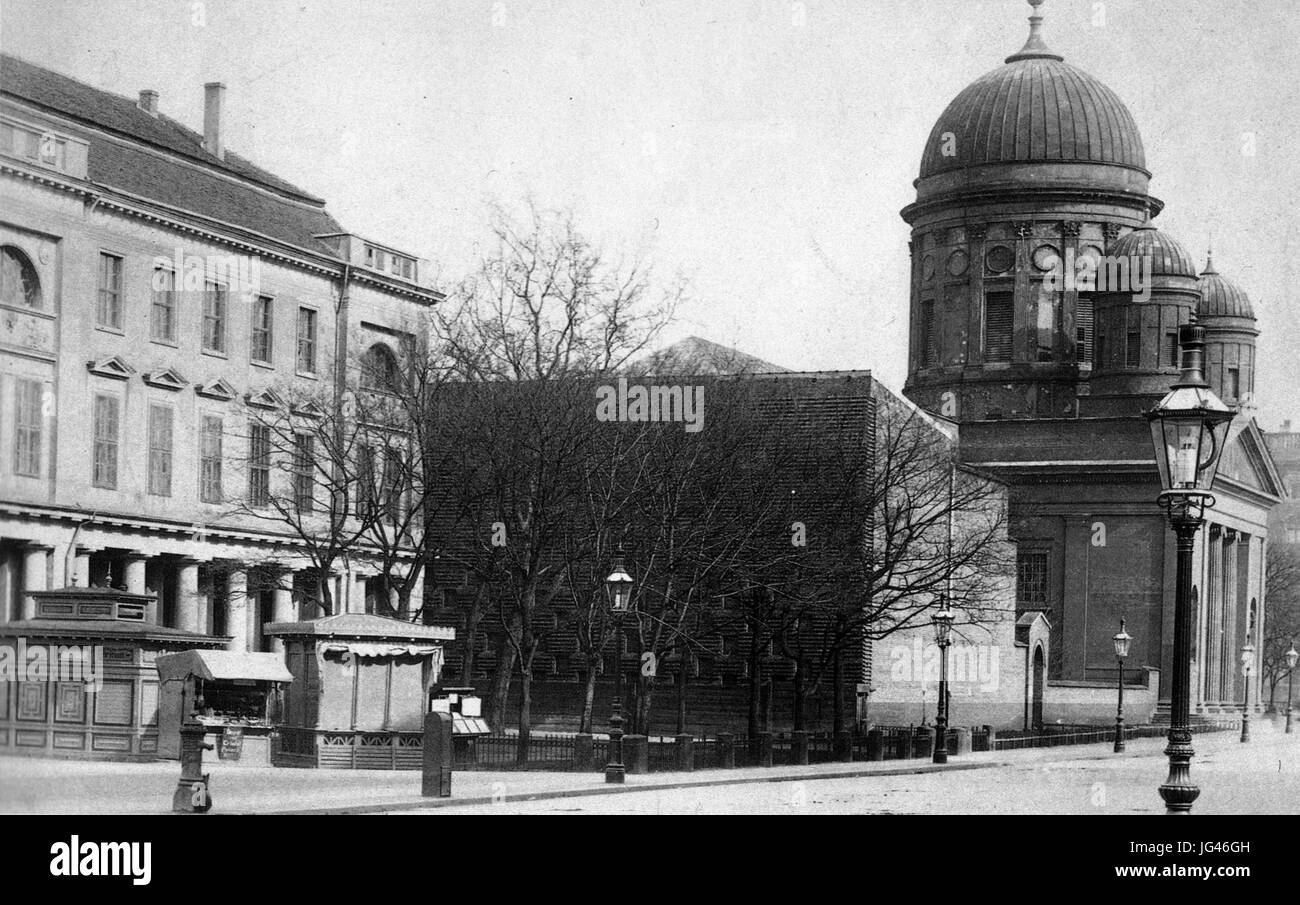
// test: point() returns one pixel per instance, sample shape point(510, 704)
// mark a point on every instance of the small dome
point(1168, 256)
point(1221, 297)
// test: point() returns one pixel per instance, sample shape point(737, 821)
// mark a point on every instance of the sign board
point(232, 742)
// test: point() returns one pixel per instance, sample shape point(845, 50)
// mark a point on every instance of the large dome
point(1036, 108)
point(1168, 256)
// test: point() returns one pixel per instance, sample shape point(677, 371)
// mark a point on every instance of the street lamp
point(1247, 659)
point(1292, 656)
point(1188, 428)
point(1121, 654)
point(942, 622)
point(618, 588)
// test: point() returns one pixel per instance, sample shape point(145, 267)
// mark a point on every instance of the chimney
point(214, 98)
point(149, 101)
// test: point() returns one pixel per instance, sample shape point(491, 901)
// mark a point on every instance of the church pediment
point(216, 389)
point(167, 379)
point(307, 410)
point(112, 366)
point(1247, 461)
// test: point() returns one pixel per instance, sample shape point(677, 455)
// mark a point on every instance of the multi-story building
point(157, 292)
point(1032, 168)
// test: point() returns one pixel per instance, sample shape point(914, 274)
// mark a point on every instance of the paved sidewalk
point(36, 785)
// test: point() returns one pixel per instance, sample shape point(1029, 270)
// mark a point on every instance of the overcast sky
point(763, 147)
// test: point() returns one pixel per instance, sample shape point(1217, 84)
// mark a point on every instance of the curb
point(428, 803)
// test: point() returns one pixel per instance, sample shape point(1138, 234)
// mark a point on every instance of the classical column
point(282, 605)
point(188, 602)
point(357, 593)
point(34, 575)
point(81, 567)
point(237, 610)
point(1231, 661)
point(1213, 618)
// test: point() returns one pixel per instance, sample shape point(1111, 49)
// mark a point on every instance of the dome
point(1036, 108)
point(1168, 256)
point(1221, 297)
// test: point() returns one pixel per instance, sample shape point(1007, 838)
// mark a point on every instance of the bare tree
point(1282, 625)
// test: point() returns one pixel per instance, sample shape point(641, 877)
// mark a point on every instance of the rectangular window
point(307, 340)
point(259, 465)
point(160, 450)
point(1031, 580)
point(29, 423)
point(1234, 383)
point(1133, 349)
point(214, 318)
point(304, 483)
point(1083, 329)
point(210, 459)
point(263, 314)
point(929, 342)
point(104, 458)
point(998, 320)
point(109, 308)
point(162, 311)
point(1171, 349)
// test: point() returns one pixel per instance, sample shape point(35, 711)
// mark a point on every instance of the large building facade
point(157, 292)
point(1033, 167)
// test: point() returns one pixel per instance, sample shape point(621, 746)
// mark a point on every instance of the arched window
point(19, 285)
point(379, 369)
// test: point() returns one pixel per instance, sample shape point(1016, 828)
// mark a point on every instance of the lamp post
point(1247, 660)
point(1188, 428)
point(618, 587)
point(1121, 654)
point(1292, 656)
point(942, 622)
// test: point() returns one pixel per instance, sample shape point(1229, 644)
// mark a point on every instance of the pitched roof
point(186, 176)
point(360, 625)
point(698, 357)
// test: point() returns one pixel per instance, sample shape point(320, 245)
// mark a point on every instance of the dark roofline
point(245, 169)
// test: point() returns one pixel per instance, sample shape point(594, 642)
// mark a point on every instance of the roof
point(1036, 107)
point(360, 625)
point(108, 628)
point(696, 356)
point(230, 189)
point(1221, 297)
point(1168, 256)
point(211, 665)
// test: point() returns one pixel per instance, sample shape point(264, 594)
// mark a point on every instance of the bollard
point(685, 752)
point(923, 742)
point(192, 795)
point(584, 752)
point(843, 746)
point(636, 753)
point(727, 750)
point(436, 779)
point(799, 746)
point(875, 744)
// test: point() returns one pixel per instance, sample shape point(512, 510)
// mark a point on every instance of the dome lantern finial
point(1034, 48)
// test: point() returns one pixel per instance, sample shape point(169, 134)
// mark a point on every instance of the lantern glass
point(1292, 657)
point(619, 588)
point(1247, 655)
point(1188, 428)
point(1122, 641)
point(942, 622)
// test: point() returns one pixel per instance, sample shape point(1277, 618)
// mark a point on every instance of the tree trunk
point(755, 683)
point(838, 691)
point(588, 699)
point(645, 695)
point(681, 698)
point(797, 704)
point(505, 669)
point(525, 714)
point(470, 643)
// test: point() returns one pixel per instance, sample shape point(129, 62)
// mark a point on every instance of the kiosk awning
point(218, 665)
point(376, 649)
